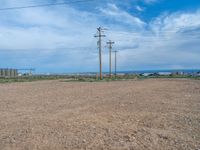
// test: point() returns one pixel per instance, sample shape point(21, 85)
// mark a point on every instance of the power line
point(44, 5)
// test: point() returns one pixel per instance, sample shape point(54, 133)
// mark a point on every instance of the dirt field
point(154, 114)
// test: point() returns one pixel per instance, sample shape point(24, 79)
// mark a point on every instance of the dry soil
point(154, 114)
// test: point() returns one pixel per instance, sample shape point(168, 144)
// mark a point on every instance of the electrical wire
point(44, 5)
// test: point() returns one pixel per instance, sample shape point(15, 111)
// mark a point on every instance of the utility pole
point(99, 43)
point(115, 63)
point(110, 43)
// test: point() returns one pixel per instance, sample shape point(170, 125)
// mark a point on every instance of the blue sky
point(149, 34)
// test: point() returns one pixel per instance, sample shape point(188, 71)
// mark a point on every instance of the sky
point(148, 35)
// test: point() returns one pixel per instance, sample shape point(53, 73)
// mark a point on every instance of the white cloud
point(62, 37)
point(138, 8)
point(172, 41)
point(47, 28)
point(121, 16)
point(177, 21)
point(150, 1)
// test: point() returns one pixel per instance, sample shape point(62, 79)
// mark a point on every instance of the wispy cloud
point(139, 8)
point(62, 38)
point(171, 41)
point(120, 16)
point(150, 1)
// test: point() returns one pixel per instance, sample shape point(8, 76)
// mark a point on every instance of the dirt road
point(151, 114)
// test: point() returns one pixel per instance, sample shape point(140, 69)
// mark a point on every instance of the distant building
point(157, 74)
point(147, 74)
point(8, 73)
point(196, 74)
point(164, 73)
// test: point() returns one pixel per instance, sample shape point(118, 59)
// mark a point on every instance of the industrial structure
point(26, 71)
point(8, 73)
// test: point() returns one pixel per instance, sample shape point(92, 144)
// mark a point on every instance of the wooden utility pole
point(110, 43)
point(115, 62)
point(99, 43)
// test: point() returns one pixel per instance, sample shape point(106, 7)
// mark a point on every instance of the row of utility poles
point(110, 43)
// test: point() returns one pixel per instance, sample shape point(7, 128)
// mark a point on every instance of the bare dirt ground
point(154, 114)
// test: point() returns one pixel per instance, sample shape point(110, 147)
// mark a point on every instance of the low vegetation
point(68, 78)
